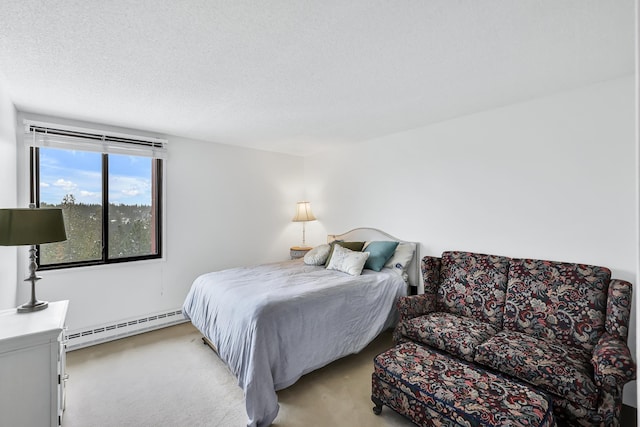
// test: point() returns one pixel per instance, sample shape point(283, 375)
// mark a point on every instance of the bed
point(273, 323)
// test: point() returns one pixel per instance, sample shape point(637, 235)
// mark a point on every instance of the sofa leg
point(378, 408)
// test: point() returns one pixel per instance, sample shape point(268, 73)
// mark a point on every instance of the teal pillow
point(379, 254)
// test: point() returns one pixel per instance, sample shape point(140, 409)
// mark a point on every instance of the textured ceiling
point(299, 76)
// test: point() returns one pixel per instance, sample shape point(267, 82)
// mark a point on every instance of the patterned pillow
point(317, 255)
point(347, 261)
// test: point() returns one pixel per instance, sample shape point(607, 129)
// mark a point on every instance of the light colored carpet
point(169, 377)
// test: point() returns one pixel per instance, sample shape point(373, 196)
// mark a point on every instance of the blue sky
point(65, 172)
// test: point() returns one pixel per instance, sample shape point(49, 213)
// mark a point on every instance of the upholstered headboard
point(365, 234)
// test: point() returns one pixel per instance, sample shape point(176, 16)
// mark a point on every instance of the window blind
point(57, 136)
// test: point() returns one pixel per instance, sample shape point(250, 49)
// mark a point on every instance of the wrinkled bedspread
point(273, 323)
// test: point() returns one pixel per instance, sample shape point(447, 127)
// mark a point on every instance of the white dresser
point(32, 366)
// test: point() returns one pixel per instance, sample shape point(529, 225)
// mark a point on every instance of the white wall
point(553, 178)
point(225, 206)
point(8, 189)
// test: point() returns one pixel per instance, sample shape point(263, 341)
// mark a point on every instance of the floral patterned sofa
point(560, 327)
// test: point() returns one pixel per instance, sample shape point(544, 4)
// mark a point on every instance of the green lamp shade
point(31, 226)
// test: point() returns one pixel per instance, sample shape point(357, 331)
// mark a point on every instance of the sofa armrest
point(417, 305)
point(408, 308)
point(430, 267)
point(618, 308)
point(612, 363)
point(414, 306)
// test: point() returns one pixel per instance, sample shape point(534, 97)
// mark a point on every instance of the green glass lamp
point(31, 226)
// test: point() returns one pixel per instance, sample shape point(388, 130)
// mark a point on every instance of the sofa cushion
point(557, 301)
point(473, 285)
point(556, 368)
point(449, 332)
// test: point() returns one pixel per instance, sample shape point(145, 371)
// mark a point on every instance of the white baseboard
point(85, 337)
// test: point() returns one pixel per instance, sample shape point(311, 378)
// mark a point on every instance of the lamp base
point(35, 306)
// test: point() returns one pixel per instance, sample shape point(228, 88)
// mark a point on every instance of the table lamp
point(31, 226)
point(303, 214)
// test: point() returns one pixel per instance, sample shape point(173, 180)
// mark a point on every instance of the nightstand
point(298, 251)
point(32, 366)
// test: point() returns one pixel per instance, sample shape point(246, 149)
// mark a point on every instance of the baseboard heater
point(121, 329)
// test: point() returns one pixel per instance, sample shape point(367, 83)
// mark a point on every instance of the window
point(109, 188)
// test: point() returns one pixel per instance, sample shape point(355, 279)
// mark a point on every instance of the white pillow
point(399, 261)
point(317, 255)
point(347, 261)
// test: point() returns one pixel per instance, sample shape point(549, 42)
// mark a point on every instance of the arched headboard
point(364, 234)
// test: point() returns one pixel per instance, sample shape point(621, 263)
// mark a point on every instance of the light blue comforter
point(274, 323)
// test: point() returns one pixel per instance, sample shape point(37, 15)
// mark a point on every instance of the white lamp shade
point(303, 212)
